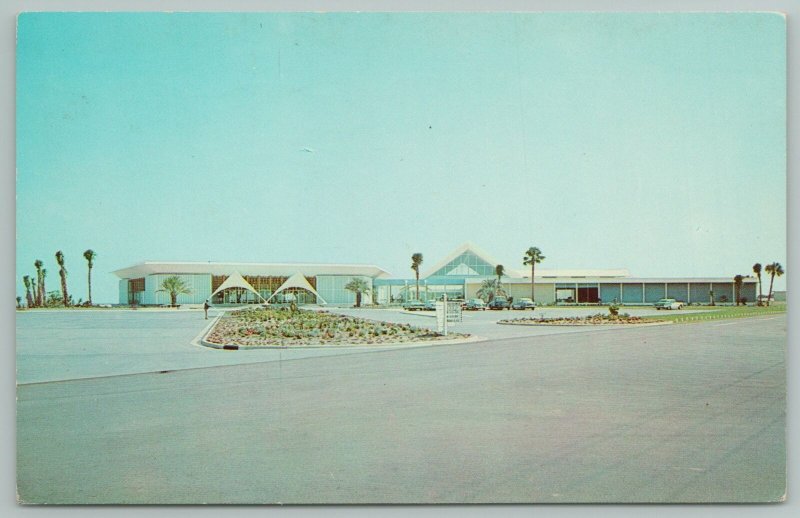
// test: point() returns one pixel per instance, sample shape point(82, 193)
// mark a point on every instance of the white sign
point(454, 312)
point(440, 317)
point(447, 312)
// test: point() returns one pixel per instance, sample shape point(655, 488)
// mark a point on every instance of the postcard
point(401, 258)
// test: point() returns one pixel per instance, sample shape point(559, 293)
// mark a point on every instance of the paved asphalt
point(678, 413)
point(65, 345)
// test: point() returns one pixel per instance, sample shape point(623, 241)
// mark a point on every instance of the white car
point(668, 304)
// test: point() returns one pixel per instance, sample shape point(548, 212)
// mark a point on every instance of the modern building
point(461, 275)
point(255, 282)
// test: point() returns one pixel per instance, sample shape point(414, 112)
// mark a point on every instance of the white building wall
point(123, 291)
point(331, 289)
point(199, 284)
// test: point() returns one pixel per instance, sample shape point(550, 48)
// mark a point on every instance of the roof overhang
point(248, 269)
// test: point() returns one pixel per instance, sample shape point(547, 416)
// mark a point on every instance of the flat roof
point(251, 269)
point(618, 280)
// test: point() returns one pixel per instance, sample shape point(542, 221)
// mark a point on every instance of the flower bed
point(282, 328)
point(591, 320)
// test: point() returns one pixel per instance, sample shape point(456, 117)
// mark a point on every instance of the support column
point(688, 293)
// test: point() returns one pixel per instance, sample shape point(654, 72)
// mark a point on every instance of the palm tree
point(26, 280)
point(33, 288)
point(175, 286)
point(42, 286)
point(757, 271)
point(416, 261)
point(737, 288)
point(488, 290)
point(499, 270)
point(532, 257)
point(774, 270)
point(38, 295)
point(63, 273)
point(19, 302)
point(89, 255)
point(357, 286)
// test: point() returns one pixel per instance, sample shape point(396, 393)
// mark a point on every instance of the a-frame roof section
point(235, 280)
point(466, 248)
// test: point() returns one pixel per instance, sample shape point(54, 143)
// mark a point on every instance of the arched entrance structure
point(235, 280)
point(298, 281)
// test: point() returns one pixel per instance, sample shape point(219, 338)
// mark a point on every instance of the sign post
point(446, 313)
point(444, 299)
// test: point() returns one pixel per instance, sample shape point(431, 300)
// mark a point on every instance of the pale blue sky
point(643, 141)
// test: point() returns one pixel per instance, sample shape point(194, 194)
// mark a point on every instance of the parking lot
point(483, 324)
point(62, 345)
point(675, 413)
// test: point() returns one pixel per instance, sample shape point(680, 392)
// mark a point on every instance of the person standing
point(206, 305)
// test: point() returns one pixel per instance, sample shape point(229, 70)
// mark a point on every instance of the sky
point(652, 142)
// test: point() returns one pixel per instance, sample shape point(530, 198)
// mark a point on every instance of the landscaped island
point(589, 320)
point(264, 327)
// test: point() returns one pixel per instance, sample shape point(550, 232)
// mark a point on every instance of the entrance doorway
point(588, 295)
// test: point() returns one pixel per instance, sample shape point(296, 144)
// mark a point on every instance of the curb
point(201, 341)
point(609, 326)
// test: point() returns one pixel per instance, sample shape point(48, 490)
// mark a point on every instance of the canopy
point(235, 280)
point(297, 280)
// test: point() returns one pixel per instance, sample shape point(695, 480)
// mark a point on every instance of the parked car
point(523, 303)
point(430, 305)
point(668, 304)
point(499, 303)
point(475, 305)
point(413, 305)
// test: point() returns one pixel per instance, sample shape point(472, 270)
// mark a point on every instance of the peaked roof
point(466, 247)
point(297, 280)
point(235, 280)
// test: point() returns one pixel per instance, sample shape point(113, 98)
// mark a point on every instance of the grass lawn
point(718, 312)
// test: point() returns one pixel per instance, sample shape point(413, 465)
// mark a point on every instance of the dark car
point(414, 305)
point(523, 303)
point(430, 305)
point(475, 305)
point(499, 303)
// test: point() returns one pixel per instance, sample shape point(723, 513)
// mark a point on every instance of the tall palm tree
point(532, 257)
point(357, 286)
point(43, 287)
point(737, 288)
point(63, 273)
point(757, 271)
point(38, 296)
point(26, 280)
point(416, 261)
point(175, 286)
point(774, 270)
point(89, 255)
point(499, 270)
point(34, 288)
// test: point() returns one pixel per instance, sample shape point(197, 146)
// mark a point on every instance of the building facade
point(141, 284)
point(460, 275)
